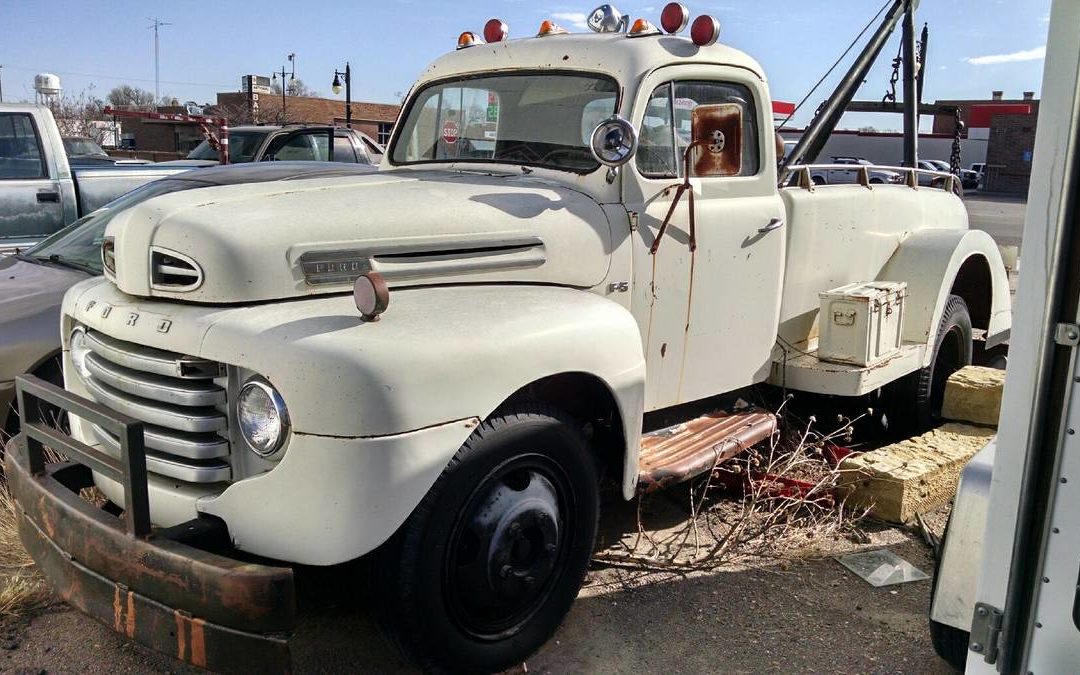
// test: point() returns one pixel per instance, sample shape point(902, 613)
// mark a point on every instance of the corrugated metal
point(680, 452)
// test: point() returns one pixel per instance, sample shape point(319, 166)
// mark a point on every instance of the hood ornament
point(608, 19)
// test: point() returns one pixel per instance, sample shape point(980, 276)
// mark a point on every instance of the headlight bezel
point(78, 353)
point(272, 449)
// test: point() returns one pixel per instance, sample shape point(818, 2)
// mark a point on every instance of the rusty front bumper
point(206, 609)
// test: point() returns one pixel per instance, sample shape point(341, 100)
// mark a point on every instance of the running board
point(688, 449)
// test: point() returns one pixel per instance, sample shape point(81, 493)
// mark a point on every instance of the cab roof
point(626, 58)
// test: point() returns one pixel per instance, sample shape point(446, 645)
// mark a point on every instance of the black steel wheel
point(486, 567)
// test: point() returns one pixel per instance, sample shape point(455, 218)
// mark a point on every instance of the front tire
point(488, 564)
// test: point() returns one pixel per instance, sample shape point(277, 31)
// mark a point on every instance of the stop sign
point(450, 131)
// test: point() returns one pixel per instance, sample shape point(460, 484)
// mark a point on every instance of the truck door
point(708, 317)
point(30, 204)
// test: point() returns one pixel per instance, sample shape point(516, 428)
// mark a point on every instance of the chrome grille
point(183, 409)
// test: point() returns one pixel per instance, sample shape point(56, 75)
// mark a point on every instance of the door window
point(343, 150)
point(303, 147)
point(20, 151)
point(666, 128)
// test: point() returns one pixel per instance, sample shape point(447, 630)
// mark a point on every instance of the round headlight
point(614, 141)
point(264, 421)
point(79, 349)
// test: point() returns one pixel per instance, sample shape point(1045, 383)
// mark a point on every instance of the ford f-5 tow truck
point(576, 244)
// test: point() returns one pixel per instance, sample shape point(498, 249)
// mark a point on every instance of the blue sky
point(975, 45)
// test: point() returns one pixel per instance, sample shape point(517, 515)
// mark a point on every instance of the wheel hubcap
point(506, 549)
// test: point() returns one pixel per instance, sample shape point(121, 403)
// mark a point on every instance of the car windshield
point(79, 245)
point(535, 119)
point(242, 147)
point(82, 146)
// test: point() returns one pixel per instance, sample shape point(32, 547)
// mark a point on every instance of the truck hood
point(265, 241)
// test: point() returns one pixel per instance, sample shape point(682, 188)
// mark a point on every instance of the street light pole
point(292, 77)
point(336, 86)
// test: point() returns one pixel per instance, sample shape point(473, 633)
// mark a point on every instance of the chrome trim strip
point(213, 471)
point(173, 417)
point(153, 386)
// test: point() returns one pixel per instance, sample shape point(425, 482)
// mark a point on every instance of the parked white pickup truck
point(40, 192)
point(437, 363)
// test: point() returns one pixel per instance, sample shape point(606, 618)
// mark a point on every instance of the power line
point(121, 78)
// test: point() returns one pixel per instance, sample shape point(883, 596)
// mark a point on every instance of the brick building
point(374, 119)
point(1008, 126)
point(160, 139)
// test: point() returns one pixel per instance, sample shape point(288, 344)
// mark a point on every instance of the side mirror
point(716, 137)
point(614, 142)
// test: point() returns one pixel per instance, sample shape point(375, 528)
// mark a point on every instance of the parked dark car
point(34, 281)
point(293, 142)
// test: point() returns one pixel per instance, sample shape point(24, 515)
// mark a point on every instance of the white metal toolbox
point(861, 323)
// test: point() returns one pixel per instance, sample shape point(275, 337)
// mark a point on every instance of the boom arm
point(811, 143)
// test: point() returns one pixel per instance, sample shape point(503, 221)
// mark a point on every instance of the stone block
point(913, 476)
point(973, 394)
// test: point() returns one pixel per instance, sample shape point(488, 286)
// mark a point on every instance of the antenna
point(156, 24)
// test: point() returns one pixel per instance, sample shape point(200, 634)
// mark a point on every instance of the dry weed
point(772, 499)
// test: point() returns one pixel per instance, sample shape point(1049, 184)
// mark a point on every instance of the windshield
point(242, 147)
point(82, 146)
point(79, 245)
point(538, 119)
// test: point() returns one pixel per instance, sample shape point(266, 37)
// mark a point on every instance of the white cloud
point(575, 19)
point(993, 59)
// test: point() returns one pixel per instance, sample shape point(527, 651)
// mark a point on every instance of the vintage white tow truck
point(577, 245)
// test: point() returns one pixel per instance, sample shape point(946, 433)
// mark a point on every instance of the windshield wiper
point(27, 258)
point(55, 259)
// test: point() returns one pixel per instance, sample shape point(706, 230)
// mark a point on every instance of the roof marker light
point(549, 27)
point(705, 31)
point(642, 27)
point(496, 30)
point(674, 17)
point(468, 39)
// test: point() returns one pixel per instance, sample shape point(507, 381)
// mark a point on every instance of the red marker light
point(468, 39)
point(705, 31)
point(674, 17)
point(496, 30)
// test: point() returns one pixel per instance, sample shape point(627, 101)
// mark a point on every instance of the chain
point(958, 128)
point(891, 94)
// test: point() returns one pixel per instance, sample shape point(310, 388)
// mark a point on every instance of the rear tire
point(488, 564)
point(914, 402)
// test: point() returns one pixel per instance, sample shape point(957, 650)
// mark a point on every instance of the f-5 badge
point(164, 325)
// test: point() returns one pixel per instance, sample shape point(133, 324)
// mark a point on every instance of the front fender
point(929, 261)
point(437, 355)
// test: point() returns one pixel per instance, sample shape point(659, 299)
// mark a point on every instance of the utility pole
point(1, 83)
point(157, 23)
point(285, 84)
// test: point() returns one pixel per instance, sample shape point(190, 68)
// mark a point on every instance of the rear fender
point(929, 261)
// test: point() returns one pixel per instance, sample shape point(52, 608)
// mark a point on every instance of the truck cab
point(39, 191)
point(570, 237)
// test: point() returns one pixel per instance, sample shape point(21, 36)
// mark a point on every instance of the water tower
point(46, 88)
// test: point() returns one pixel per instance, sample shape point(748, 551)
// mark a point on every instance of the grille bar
point(150, 360)
point(155, 387)
point(194, 420)
point(191, 471)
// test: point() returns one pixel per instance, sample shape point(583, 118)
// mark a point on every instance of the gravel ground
point(796, 610)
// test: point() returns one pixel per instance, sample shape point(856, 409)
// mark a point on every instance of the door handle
point(774, 224)
point(48, 196)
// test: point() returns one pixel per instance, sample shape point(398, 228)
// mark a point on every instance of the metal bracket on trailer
point(986, 632)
